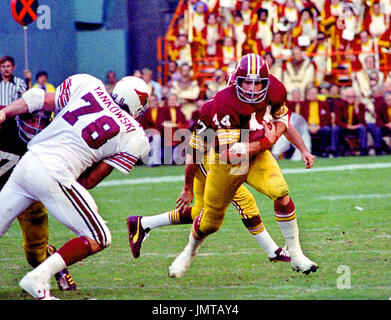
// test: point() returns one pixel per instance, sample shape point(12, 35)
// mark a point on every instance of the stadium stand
point(323, 43)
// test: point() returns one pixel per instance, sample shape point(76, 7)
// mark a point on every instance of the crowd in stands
point(333, 56)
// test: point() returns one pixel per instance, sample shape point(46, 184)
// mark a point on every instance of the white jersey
point(255, 125)
point(89, 127)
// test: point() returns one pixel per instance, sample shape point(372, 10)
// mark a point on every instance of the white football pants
point(282, 145)
point(75, 208)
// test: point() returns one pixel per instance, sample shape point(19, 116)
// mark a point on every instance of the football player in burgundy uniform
point(243, 200)
point(231, 109)
point(91, 129)
point(14, 136)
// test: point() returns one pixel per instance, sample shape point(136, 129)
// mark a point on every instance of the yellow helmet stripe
point(253, 58)
point(254, 64)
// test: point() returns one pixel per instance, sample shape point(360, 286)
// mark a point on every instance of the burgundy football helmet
point(254, 69)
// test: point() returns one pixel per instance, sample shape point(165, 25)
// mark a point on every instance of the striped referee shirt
point(11, 90)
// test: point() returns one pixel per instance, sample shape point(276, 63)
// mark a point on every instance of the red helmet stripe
point(143, 96)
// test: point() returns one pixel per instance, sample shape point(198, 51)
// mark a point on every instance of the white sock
point(157, 221)
point(267, 243)
point(194, 244)
point(48, 268)
point(290, 231)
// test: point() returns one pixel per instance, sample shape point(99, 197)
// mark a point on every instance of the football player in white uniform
point(90, 129)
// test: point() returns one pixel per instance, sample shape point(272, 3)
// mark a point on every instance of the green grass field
point(345, 226)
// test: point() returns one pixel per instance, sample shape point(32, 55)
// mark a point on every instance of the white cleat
point(39, 290)
point(304, 265)
point(181, 263)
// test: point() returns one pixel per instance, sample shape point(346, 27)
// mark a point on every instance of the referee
point(11, 87)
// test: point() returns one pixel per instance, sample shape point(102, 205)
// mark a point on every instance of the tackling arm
point(272, 133)
point(95, 174)
point(32, 100)
point(186, 196)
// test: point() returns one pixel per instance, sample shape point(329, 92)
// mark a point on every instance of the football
point(256, 135)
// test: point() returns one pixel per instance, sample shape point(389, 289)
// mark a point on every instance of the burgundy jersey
point(203, 127)
point(226, 103)
point(228, 112)
point(276, 98)
point(227, 115)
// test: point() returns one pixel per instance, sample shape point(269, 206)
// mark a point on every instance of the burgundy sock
point(75, 250)
point(185, 216)
point(252, 222)
point(284, 210)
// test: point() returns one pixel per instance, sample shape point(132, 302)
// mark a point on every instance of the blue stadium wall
point(91, 36)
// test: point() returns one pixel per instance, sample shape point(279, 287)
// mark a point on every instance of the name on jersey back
point(121, 115)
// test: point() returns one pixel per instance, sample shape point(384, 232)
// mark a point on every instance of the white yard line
point(339, 168)
point(148, 180)
point(356, 196)
point(181, 178)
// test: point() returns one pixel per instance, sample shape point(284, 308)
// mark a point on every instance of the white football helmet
point(132, 94)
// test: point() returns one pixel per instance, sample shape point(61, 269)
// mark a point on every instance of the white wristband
point(34, 99)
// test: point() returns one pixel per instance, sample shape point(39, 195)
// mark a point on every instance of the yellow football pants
point(265, 176)
point(35, 230)
point(221, 186)
point(243, 199)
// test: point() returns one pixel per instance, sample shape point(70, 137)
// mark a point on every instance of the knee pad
point(279, 194)
point(278, 189)
point(209, 226)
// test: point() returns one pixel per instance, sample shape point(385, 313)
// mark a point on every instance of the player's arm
point(294, 137)
point(32, 100)
point(280, 113)
point(95, 174)
point(194, 156)
point(281, 116)
point(281, 128)
point(186, 196)
point(273, 130)
point(267, 141)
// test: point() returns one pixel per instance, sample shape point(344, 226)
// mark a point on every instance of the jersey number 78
point(98, 132)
